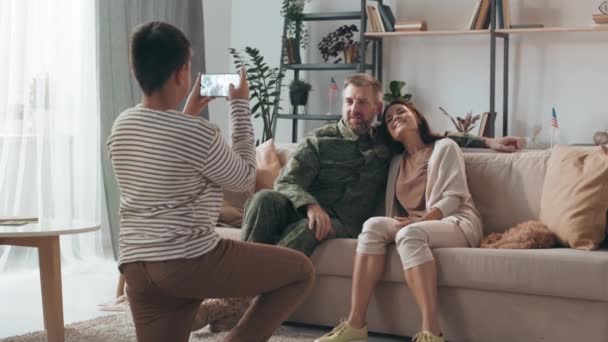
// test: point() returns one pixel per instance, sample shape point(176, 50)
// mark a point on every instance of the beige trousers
point(414, 242)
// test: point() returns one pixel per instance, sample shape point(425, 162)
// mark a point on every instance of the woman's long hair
point(427, 135)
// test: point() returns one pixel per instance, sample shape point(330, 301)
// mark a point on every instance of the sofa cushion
point(268, 165)
point(267, 169)
point(560, 272)
point(506, 188)
point(575, 196)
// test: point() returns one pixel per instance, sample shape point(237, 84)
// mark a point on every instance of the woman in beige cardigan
point(428, 205)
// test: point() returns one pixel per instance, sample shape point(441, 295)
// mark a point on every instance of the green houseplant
point(296, 33)
point(293, 12)
point(264, 83)
point(298, 92)
point(340, 45)
point(394, 93)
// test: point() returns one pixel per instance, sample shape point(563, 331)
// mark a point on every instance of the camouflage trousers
point(271, 218)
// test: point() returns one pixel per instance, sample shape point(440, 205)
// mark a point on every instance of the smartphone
point(218, 84)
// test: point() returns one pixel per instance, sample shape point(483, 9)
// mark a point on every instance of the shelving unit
point(374, 66)
point(493, 33)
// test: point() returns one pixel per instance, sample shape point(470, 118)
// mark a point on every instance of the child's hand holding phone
point(242, 91)
point(195, 102)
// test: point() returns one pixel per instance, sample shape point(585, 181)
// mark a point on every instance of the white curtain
point(49, 123)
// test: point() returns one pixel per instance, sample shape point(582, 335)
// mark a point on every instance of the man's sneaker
point(426, 336)
point(345, 333)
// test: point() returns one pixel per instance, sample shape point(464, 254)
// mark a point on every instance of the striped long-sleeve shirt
point(171, 168)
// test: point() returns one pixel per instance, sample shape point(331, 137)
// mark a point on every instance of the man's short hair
point(157, 50)
point(365, 80)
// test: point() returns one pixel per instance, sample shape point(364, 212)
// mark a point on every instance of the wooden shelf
point(428, 33)
point(325, 66)
point(598, 28)
point(325, 16)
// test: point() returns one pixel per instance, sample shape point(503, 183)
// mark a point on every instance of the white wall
point(567, 71)
point(217, 16)
point(237, 24)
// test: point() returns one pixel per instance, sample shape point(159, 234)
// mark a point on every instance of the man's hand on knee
point(318, 221)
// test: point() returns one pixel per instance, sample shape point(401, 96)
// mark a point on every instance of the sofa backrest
point(506, 188)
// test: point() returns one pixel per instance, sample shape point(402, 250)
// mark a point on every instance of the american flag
point(554, 123)
point(333, 86)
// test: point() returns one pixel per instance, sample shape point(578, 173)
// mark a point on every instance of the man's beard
point(360, 129)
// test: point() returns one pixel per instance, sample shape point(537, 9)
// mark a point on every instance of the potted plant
point(264, 84)
point(463, 125)
point(340, 45)
point(296, 33)
point(298, 92)
point(394, 93)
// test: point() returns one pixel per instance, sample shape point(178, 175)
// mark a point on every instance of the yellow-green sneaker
point(344, 332)
point(427, 336)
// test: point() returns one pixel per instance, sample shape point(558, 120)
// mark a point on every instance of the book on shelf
point(387, 17)
point(482, 16)
point(473, 19)
point(375, 16)
point(486, 125)
point(500, 17)
point(506, 12)
point(371, 27)
point(482, 21)
point(410, 25)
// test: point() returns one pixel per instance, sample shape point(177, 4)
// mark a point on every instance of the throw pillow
point(267, 170)
point(575, 196)
point(268, 165)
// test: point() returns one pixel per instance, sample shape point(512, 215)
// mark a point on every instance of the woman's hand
point(195, 102)
point(242, 92)
point(405, 221)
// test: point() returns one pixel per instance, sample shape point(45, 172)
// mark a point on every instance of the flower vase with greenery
point(340, 45)
point(296, 33)
point(264, 83)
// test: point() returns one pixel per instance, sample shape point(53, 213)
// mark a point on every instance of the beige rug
point(118, 328)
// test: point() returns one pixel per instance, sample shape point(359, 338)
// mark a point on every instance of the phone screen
point(218, 84)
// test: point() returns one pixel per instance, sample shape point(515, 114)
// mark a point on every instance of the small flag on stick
point(554, 126)
point(333, 94)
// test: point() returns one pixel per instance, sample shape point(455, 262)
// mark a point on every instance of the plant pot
point(350, 54)
point(600, 138)
point(298, 98)
point(292, 51)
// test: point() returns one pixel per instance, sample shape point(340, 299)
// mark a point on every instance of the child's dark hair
point(427, 135)
point(157, 50)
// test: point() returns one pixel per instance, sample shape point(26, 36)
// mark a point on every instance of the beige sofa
point(485, 295)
